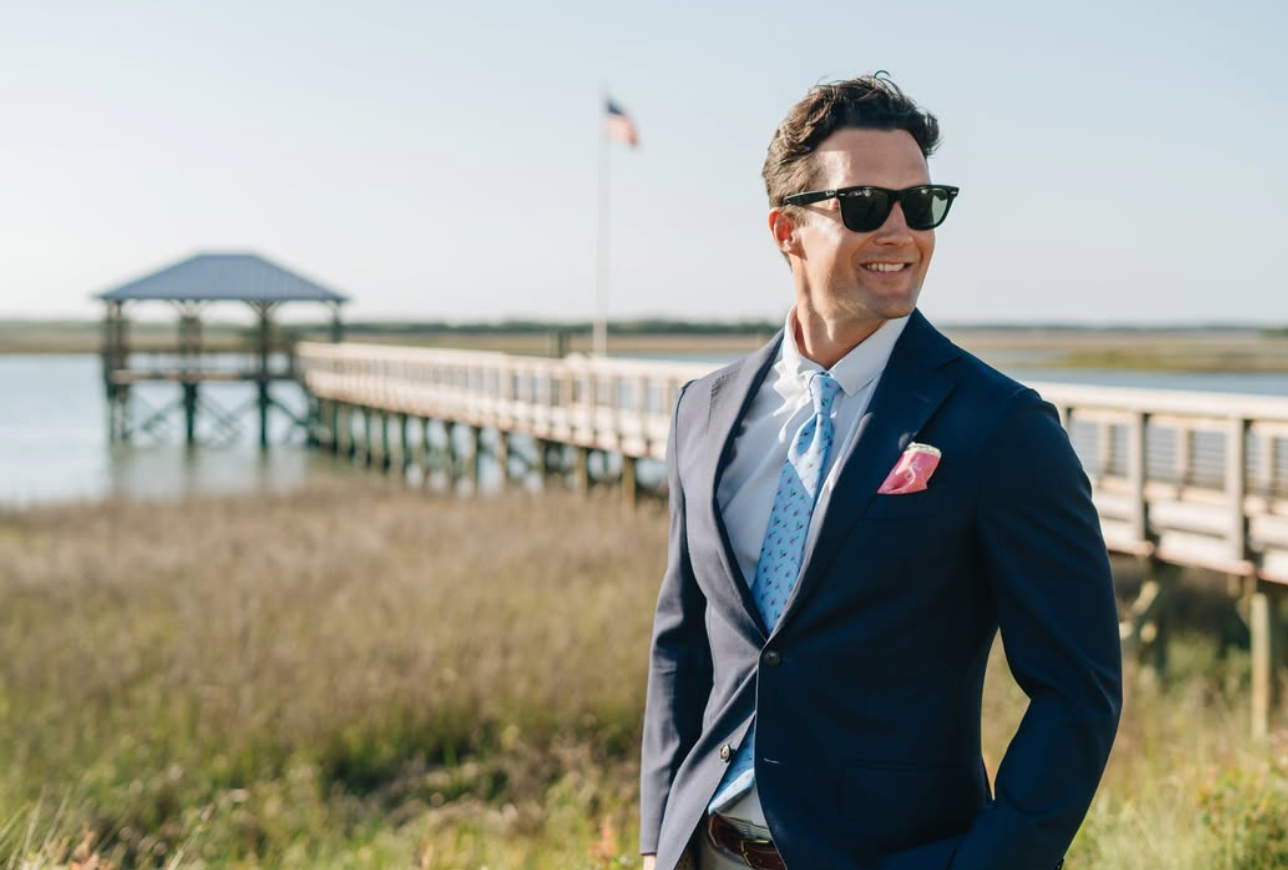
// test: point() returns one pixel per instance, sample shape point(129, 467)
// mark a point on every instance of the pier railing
point(622, 406)
point(1187, 477)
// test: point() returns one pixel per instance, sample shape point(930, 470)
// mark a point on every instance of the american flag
point(618, 125)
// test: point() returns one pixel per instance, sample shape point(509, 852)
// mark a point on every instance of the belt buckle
point(747, 842)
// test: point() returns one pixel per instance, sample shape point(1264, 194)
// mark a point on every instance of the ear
point(786, 238)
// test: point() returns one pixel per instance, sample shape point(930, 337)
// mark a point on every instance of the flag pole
point(600, 343)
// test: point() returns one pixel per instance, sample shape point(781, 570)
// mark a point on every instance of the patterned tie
point(783, 548)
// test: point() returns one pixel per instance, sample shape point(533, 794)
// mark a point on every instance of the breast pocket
point(929, 502)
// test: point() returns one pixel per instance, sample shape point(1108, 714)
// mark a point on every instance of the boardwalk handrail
point(1194, 478)
point(610, 404)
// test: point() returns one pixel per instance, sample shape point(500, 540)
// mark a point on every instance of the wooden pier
point(1181, 479)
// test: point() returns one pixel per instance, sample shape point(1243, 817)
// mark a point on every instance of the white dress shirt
point(750, 482)
point(780, 408)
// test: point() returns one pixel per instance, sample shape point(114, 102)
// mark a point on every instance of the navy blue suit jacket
point(866, 694)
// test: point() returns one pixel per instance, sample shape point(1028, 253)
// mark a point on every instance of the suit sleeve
point(679, 679)
point(1043, 554)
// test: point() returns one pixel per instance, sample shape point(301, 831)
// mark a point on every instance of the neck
point(825, 341)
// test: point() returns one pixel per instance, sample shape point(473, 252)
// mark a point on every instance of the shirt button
point(726, 752)
point(771, 658)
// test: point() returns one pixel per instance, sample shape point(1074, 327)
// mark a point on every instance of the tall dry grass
point(373, 677)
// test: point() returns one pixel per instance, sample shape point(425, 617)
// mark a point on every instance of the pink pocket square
point(912, 472)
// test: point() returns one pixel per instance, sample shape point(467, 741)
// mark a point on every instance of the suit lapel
point(909, 392)
point(731, 396)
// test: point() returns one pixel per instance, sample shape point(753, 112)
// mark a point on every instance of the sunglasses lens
point(865, 210)
point(926, 207)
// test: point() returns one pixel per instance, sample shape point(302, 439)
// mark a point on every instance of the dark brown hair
point(870, 102)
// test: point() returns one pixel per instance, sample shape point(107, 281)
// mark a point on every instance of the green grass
point(363, 677)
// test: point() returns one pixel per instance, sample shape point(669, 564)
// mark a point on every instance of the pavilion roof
point(241, 277)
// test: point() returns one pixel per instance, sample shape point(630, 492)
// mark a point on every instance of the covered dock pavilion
point(191, 286)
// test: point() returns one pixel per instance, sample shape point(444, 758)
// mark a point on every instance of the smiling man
point(856, 509)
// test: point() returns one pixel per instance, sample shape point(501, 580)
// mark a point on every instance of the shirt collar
point(856, 369)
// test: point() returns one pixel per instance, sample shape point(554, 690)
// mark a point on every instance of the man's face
point(856, 278)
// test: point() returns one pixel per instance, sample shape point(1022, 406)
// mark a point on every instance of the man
point(856, 508)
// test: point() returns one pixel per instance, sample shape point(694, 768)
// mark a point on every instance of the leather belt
point(755, 852)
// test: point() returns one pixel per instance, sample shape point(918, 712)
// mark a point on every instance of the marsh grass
point(370, 676)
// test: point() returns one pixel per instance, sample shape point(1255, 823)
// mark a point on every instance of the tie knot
point(822, 389)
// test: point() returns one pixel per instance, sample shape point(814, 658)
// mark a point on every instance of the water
point(53, 432)
point(54, 447)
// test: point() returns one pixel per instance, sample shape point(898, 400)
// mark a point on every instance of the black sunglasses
point(864, 209)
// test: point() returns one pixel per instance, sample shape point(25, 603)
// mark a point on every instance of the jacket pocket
point(913, 505)
point(900, 806)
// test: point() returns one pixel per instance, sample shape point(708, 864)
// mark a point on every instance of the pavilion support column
point(123, 407)
point(263, 309)
point(337, 325)
point(111, 351)
point(190, 413)
point(263, 403)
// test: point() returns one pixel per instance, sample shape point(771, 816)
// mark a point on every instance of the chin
point(893, 308)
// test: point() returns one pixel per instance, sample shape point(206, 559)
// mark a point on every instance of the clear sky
point(1119, 161)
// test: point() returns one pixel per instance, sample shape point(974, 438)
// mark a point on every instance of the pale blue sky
point(1119, 161)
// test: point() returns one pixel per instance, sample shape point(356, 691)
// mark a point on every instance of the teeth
point(884, 267)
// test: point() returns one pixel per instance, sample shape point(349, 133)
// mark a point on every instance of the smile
point(887, 267)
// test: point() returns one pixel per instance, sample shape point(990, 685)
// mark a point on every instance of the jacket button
point(726, 752)
point(771, 658)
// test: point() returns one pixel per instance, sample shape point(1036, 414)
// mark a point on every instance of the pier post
point(1145, 631)
point(630, 495)
point(404, 440)
point(476, 456)
point(368, 453)
point(502, 455)
point(452, 458)
point(385, 463)
point(350, 438)
point(426, 451)
point(541, 461)
point(334, 422)
point(582, 471)
point(1261, 624)
point(312, 420)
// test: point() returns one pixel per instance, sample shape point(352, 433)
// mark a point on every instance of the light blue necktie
point(783, 547)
